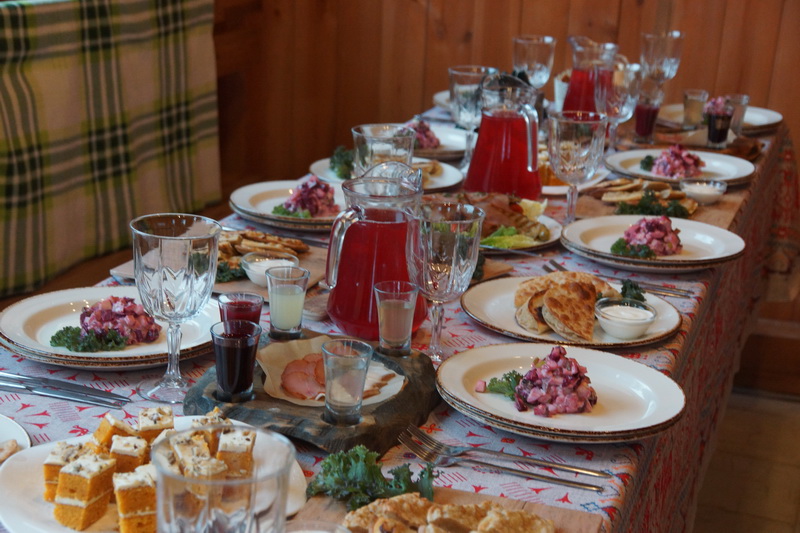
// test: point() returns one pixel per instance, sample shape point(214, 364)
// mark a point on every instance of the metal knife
point(64, 395)
point(56, 384)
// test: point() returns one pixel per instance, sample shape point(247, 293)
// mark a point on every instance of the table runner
point(109, 111)
point(655, 481)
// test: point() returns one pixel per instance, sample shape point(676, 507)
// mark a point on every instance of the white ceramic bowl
point(704, 192)
point(255, 264)
point(624, 318)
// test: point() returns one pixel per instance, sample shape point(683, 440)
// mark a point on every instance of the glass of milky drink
point(396, 302)
point(241, 485)
point(287, 293)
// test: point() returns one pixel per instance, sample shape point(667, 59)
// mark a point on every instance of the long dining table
point(655, 481)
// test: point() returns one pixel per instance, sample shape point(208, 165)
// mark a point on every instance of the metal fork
point(649, 287)
point(455, 451)
point(437, 459)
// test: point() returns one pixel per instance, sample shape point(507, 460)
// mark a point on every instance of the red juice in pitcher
point(580, 92)
point(500, 160)
point(374, 250)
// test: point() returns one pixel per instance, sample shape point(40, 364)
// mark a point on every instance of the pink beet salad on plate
point(313, 198)
point(677, 162)
point(657, 234)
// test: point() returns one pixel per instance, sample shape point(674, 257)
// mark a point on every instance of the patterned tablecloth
point(655, 481)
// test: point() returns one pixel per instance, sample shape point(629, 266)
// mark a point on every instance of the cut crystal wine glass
point(615, 92)
point(661, 55)
point(175, 265)
point(443, 242)
point(465, 101)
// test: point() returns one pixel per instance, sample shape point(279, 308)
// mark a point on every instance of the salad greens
point(647, 163)
point(640, 251)
point(355, 477)
point(342, 162)
point(508, 237)
point(75, 339)
point(631, 289)
point(505, 385)
point(280, 210)
point(226, 273)
point(650, 205)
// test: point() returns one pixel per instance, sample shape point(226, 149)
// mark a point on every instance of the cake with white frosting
point(136, 500)
point(129, 452)
point(84, 490)
point(154, 420)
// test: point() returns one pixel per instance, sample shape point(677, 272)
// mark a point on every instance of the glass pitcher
point(505, 158)
point(368, 245)
point(586, 54)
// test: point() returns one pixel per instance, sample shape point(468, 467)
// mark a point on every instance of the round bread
point(531, 286)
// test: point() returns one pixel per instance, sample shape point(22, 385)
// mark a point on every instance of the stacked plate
point(704, 245)
point(757, 120)
point(732, 170)
point(452, 143)
point(634, 401)
point(27, 326)
point(256, 201)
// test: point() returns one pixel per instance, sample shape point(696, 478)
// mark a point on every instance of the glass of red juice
point(646, 114)
point(235, 346)
point(240, 306)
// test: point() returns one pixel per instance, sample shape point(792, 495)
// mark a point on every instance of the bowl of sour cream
point(704, 191)
point(624, 318)
point(255, 264)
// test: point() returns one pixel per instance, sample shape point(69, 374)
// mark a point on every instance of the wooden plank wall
point(296, 75)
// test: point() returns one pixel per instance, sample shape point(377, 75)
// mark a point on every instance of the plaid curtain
point(108, 110)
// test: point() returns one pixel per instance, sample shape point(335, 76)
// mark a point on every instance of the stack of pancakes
point(562, 302)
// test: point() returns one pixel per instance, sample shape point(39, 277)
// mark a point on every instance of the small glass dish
point(704, 192)
point(255, 264)
point(624, 318)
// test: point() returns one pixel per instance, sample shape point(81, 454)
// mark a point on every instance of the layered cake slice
point(129, 452)
point(84, 490)
point(136, 500)
point(58, 457)
point(109, 426)
point(201, 496)
point(188, 447)
point(236, 451)
point(154, 420)
point(213, 418)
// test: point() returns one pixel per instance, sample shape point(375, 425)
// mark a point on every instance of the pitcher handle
point(341, 223)
point(531, 118)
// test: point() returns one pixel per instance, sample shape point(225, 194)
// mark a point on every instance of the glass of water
point(346, 364)
point(533, 55)
point(465, 101)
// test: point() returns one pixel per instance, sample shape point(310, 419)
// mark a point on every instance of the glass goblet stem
point(612, 137)
point(435, 351)
point(572, 203)
point(469, 147)
point(173, 373)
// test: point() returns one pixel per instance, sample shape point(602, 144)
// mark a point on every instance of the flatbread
point(529, 315)
point(529, 287)
point(569, 310)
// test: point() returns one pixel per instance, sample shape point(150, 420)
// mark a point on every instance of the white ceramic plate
point(442, 99)
point(650, 268)
point(561, 190)
point(555, 234)
point(703, 244)
point(452, 142)
point(449, 177)
point(632, 398)
point(727, 168)
point(755, 118)
point(23, 510)
point(11, 430)
point(31, 323)
point(261, 198)
point(491, 304)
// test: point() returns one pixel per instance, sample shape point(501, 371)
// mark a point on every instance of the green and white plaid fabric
point(108, 110)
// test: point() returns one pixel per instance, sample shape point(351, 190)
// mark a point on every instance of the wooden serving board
point(315, 260)
point(382, 422)
point(566, 520)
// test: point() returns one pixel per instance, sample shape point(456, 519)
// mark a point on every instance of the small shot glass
point(240, 306)
point(739, 103)
point(287, 293)
point(693, 102)
point(235, 346)
point(346, 364)
point(396, 301)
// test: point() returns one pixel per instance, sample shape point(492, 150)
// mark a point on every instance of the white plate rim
point(10, 429)
point(19, 507)
point(743, 169)
point(243, 198)
point(643, 267)
point(442, 99)
point(451, 176)
point(573, 232)
point(561, 190)
point(453, 374)
point(500, 318)
point(552, 224)
point(768, 118)
point(453, 143)
point(195, 331)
